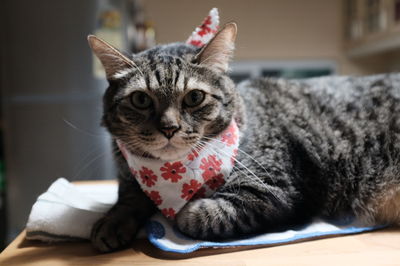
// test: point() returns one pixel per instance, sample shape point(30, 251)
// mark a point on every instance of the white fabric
point(67, 212)
point(172, 184)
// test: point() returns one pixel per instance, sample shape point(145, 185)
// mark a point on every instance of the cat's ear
point(112, 59)
point(219, 51)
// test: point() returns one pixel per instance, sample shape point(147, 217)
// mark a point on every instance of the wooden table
point(374, 248)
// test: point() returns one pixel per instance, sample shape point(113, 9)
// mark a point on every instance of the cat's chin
point(170, 153)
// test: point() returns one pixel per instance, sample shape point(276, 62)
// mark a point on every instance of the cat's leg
point(237, 209)
point(118, 228)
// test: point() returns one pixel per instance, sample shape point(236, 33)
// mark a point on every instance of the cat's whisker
point(88, 155)
point(117, 58)
point(268, 174)
point(114, 151)
point(138, 69)
point(84, 131)
point(254, 178)
point(205, 145)
point(245, 153)
point(235, 168)
point(88, 164)
point(252, 158)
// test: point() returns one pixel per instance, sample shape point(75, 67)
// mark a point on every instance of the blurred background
point(51, 86)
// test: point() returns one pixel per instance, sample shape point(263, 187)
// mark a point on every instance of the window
point(243, 70)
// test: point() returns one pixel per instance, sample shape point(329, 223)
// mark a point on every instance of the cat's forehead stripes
point(138, 83)
point(165, 73)
point(154, 82)
point(194, 83)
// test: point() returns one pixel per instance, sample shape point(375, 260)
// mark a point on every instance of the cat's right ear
point(219, 51)
point(112, 59)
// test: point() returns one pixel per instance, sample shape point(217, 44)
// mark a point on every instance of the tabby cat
point(324, 147)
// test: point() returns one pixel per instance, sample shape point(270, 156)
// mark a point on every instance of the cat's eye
point(141, 100)
point(194, 98)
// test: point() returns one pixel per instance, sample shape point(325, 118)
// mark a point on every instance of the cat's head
point(165, 101)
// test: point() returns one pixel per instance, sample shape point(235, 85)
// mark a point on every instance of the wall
point(47, 80)
point(268, 29)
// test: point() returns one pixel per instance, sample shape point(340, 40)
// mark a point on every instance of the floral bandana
point(170, 185)
point(204, 33)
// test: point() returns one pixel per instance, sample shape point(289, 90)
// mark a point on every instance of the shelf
point(372, 27)
point(374, 44)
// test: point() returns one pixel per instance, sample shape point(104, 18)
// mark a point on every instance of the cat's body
point(321, 147)
point(339, 138)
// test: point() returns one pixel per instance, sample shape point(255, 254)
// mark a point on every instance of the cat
point(325, 147)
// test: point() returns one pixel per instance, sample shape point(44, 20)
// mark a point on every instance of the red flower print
point(233, 157)
point(148, 177)
point(168, 212)
point(211, 167)
point(204, 27)
point(154, 196)
point(229, 136)
point(196, 43)
point(201, 193)
point(193, 155)
point(133, 171)
point(188, 190)
point(216, 182)
point(173, 171)
point(207, 21)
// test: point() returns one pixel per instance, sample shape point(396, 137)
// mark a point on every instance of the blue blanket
point(166, 236)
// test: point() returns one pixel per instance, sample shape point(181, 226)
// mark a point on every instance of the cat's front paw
point(113, 232)
point(207, 219)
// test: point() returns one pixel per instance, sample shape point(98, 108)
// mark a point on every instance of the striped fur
point(321, 147)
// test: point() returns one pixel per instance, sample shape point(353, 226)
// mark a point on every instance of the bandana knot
point(206, 31)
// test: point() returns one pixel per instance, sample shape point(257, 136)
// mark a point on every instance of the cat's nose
point(169, 131)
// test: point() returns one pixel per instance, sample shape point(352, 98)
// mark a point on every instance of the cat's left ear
point(112, 59)
point(219, 51)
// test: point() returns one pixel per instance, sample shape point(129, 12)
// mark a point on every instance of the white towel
point(66, 212)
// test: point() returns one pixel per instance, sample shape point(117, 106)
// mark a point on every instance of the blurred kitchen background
point(51, 86)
